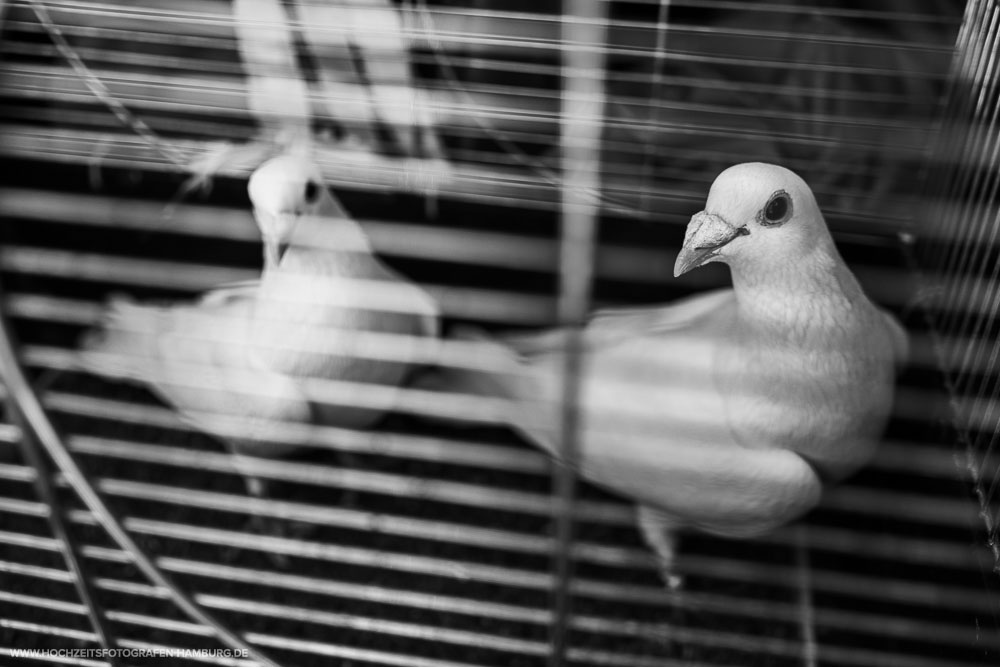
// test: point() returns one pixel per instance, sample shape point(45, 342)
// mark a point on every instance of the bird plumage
point(243, 356)
point(727, 411)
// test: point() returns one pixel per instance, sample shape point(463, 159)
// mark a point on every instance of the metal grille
point(417, 543)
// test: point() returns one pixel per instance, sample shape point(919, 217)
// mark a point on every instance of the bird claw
point(658, 530)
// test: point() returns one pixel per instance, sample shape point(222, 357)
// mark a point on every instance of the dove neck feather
point(312, 293)
point(805, 298)
point(330, 233)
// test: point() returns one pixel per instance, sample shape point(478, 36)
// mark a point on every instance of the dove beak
point(706, 234)
point(272, 253)
point(275, 241)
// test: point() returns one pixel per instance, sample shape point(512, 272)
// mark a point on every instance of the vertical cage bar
point(583, 32)
point(648, 178)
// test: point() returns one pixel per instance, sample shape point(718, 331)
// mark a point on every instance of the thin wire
point(501, 37)
point(865, 224)
point(904, 591)
point(753, 608)
point(329, 619)
point(959, 424)
point(970, 172)
point(947, 128)
point(987, 498)
point(508, 146)
point(503, 111)
point(301, 435)
point(367, 174)
point(189, 92)
point(68, 546)
point(722, 31)
point(173, 156)
point(800, 8)
point(97, 87)
point(694, 83)
point(807, 613)
point(991, 288)
point(966, 110)
point(483, 62)
point(40, 427)
point(784, 612)
point(975, 262)
point(891, 145)
point(647, 177)
point(906, 457)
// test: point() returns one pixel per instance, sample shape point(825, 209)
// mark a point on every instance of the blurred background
point(437, 124)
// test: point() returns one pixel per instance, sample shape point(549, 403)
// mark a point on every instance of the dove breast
point(825, 396)
point(319, 315)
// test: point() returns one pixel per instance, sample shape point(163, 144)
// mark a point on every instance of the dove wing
point(655, 424)
point(612, 326)
point(202, 366)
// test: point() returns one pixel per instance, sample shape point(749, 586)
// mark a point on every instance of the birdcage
point(525, 163)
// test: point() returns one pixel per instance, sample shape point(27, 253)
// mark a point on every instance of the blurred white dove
point(245, 354)
point(359, 74)
point(729, 410)
point(362, 52)
point(332, 62)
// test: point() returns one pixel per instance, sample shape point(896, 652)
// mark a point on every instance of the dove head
point(283, 190)
point(758, 216)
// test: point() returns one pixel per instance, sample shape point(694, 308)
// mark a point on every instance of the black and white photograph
point(500, 333)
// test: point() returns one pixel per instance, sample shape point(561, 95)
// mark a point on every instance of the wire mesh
point(961, 272)
point(419, 543)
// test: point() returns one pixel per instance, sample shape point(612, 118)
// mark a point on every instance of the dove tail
point(122, 346)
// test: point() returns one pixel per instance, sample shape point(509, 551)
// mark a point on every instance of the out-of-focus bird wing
point(234, 382)
point(614, 325)
point(278, 96)
point(363, 57)
point(198, 359)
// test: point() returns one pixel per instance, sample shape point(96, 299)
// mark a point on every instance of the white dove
point(345, 63)
point(729, 410)
point(238, 363)
point(362, 50)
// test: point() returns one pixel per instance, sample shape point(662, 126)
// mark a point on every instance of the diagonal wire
point(97, 87)
point(68, 546)
point(39, 426)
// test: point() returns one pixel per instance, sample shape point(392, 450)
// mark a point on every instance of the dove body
point(243, 361)
point(727, 411)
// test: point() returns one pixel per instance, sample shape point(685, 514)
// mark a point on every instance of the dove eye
point(312, 192)
point(777, 210)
